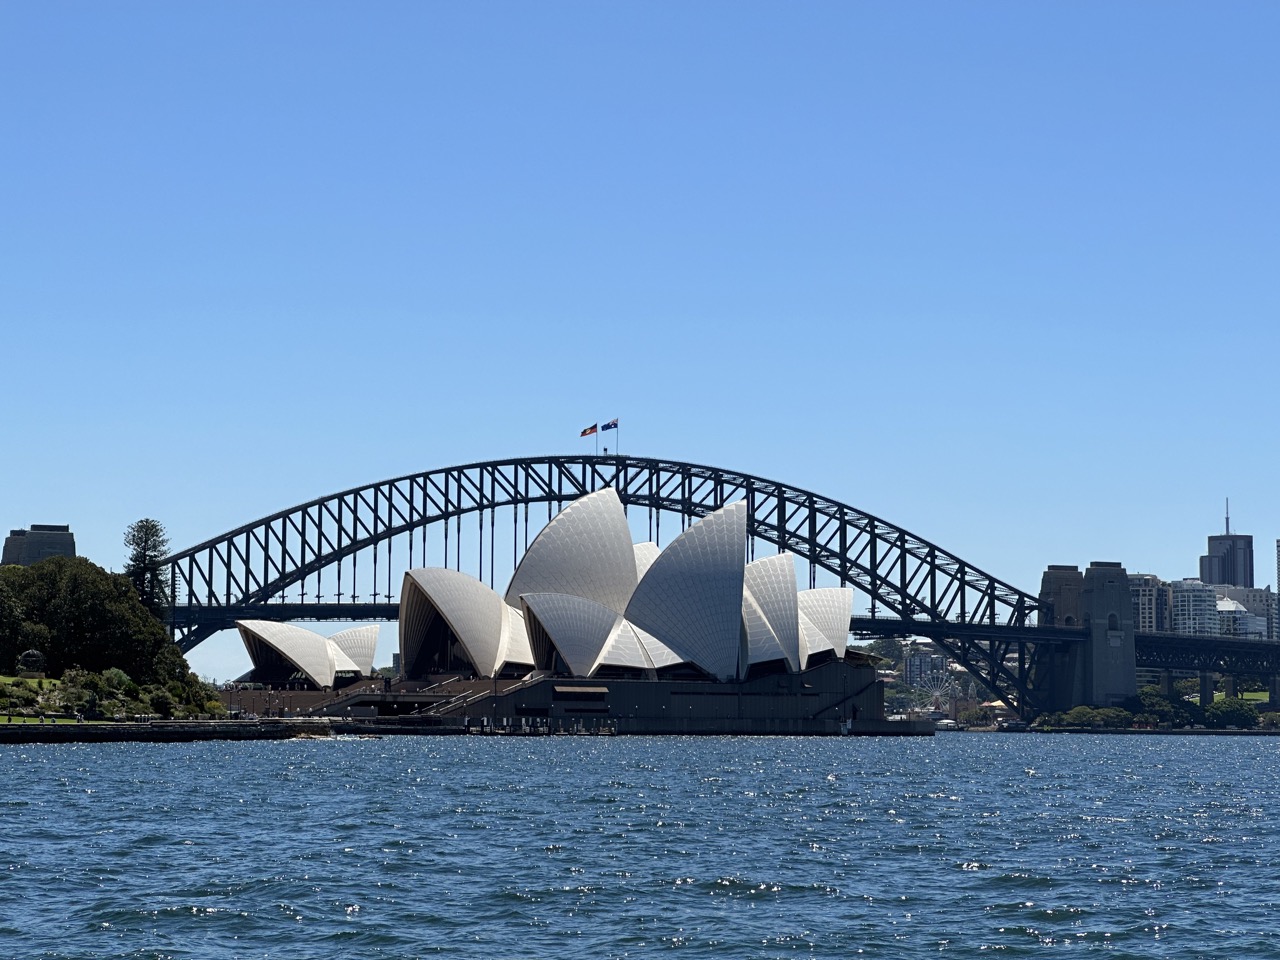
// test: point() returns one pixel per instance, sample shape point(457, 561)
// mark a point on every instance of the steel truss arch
point(908, 578)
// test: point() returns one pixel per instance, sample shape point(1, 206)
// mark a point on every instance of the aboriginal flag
point(590, 430)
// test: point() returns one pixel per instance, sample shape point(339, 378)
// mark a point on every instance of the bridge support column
point(1273, 693)
point(1206, 688)
point(1110, 670)
point(1229, 685)
point(1166, 683)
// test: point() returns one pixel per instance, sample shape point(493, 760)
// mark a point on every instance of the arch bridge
point(340, 557)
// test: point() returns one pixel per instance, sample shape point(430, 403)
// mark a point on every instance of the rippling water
point(630, 847)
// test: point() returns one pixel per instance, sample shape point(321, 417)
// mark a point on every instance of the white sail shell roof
point(691, 597)
point(585, 551)
point(341, 662)
point(307, 650)
point(629, 646)
point(762, 642)
point(812, 641)
point(578, 627)
point(659, 654)
point(588, 635)
point(474, 612)
point(645, 554)
point(358, 645)
point(771, 582)
point(515, 647)
point(829, 609)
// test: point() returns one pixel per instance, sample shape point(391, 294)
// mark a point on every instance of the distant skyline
point(1001, 273)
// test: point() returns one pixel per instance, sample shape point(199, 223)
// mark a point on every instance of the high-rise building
point(923, 662)
point(1229, 558)
point(1152, 603)
point(43, 540)
point(1195, 608)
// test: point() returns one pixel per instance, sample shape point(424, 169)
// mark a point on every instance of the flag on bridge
point(590, 430)
point(611, 425)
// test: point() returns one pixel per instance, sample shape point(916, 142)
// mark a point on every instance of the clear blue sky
point(1002, 273)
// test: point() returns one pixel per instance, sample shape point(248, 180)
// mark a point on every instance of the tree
point(79, 615)
point(1231, 712)
point(1174, 711)
point(10, 625)
point(148, 545)
point(886, 647)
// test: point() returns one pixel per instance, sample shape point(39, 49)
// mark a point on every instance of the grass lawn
point(1252, 695)
point(5, 720)
point(48, 684)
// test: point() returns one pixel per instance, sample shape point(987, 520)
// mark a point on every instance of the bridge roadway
point(1164, 651)
point(988, 642)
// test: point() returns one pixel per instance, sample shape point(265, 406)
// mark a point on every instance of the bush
point(20, 695)
point(161, 703)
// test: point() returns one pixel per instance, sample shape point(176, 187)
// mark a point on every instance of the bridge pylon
point(1101, 671)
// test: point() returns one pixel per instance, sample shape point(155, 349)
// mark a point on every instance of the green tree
point(1190, 687)
point(1231, 712)
point(10, 626)
point(78, 615)
point(1115, 717)
point(161, 703)
point(1082, 716)
point(148, 546)
point(888, 648)
point(1174, 711)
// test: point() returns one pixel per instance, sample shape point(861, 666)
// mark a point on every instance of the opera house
point(286, 656)
point(586, 602)
point(596, 630)
point(689, 638)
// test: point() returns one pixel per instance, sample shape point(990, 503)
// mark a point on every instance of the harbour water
point(962, 845)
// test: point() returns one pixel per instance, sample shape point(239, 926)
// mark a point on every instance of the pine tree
point(148, 546)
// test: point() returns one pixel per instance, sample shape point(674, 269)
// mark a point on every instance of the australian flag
point(611, 425)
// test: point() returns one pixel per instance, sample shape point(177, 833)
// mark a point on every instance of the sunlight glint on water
point(610, 847)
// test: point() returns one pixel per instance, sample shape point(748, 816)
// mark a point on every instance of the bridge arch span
point(247, 571)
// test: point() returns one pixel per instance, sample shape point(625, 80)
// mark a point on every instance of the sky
point(1002, 273)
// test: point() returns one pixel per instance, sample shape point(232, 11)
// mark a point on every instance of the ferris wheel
point(935, 692)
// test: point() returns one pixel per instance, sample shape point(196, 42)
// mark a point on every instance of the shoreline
point(192, 731)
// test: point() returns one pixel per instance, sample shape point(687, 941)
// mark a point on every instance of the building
point(587, 602)
point(1257, 601)
point(923, 662)
point(1235, 621)
point(1195, 608)
point(1152, 603)
point(595, 628)
point(1229, 559)
point(43, 540)
point(289, 657)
